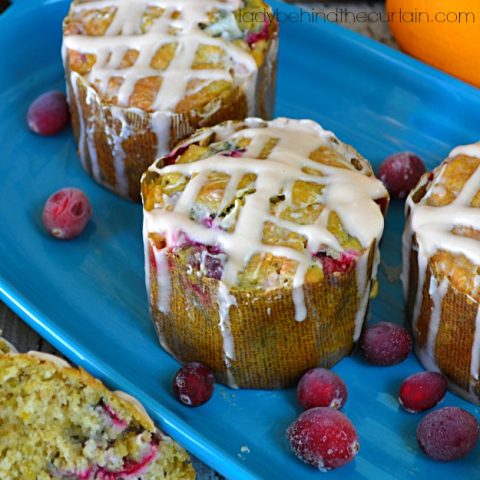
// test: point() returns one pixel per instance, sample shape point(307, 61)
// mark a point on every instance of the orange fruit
point(443, 33)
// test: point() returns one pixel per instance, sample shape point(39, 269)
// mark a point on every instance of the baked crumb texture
point(441, 271)
point(143, 75)
point(261, 249)
point(59, 422)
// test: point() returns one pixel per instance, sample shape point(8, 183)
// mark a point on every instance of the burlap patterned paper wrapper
point(456, 329)
point(272, 349)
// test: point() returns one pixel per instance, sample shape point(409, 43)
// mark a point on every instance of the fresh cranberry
point(66, 213)
point(117, 421)
point(385, 344)
point(422, 391)
point(48, 114)
point(400, 173)
point(208, 259)
point(262, 34)
point(448, 433)
point(340, 265)
point(320, 387)
point(131, 468)
point(172, 157)
point(193, 384)
point(324, 438)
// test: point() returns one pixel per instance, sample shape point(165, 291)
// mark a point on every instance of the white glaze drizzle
point(436, 291)
point(432, 227)
point(350, 193)
point(225, 301)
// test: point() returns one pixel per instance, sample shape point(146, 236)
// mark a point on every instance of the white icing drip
point(81, 135)
point(11, 348)
point(117, 149)
point(161, 125)
point(163, 280)
point(363, 287)
point(299, 302)
point(146, 247)
point(124, 33)
point(48, 357)
point(225, 301)
point(475, 355)
point(437, 292)
point(349, 193)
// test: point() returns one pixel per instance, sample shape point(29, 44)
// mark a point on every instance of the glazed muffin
point(59, 422)
point(143, 75)
point(261, 246)
point(441, 272)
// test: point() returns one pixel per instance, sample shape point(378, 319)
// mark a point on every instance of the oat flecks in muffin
point(59, 422)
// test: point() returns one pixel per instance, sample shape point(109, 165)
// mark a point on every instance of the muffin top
point(167, 55)
point(265, 205)
point(445, 218)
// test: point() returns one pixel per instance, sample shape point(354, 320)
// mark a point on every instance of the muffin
point(441, 270)
point(59, 422)
point(261, 245)
point(143, 75)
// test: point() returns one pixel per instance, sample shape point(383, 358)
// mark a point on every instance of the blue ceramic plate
point(87, 297)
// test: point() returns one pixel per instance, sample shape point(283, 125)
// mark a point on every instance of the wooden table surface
point(24, 338)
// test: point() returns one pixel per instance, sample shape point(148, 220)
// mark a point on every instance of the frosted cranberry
point(320, 387)
point(422, 391)
point(324, 438)
point(448, 433)
point(66, 213)
point(48, 114)
point(400, 173)
point(385, 344)
point(193, 384)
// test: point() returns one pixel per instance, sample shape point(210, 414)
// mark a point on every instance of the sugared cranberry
point(323, 437)
point(422, 391)
point(193, 384)
point(400, 173)
point(320, 387)
point(385, 344)
point(48, 114)
point(66, 213)
point(448, 434)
